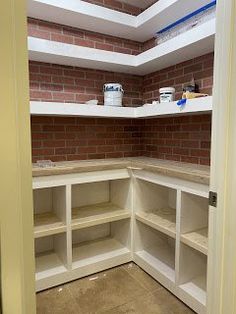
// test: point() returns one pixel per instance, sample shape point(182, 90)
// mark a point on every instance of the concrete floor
point(125, 289)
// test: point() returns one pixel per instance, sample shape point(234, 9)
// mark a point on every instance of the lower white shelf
point(95, 251)
point(196, 287)
point(48, 264)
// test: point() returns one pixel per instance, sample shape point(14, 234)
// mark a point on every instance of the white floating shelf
point(193, 43)
point(93, 17)
point(197, 105)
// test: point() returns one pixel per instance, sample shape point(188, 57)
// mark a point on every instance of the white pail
point(113, 94)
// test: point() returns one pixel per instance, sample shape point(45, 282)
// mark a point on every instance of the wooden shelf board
point(48, 264)
point(196, 288)
point(95, 251)
point(47, 224)
point(92, 215)
point(162, 258)
point(163, 220)
point(198, 240)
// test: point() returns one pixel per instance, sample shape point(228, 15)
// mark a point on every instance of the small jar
point(167, 94)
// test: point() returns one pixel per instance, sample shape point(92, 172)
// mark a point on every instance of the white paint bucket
point(167, 94)
point(113, 94)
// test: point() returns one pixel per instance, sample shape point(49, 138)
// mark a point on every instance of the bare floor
point(125, 289)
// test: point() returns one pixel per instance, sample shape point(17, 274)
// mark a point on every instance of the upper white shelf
point(92, 17)
point(198, 105)
point(193, 43)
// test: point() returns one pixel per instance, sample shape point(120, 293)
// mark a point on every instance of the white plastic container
point(113, 94)
point(167, 94)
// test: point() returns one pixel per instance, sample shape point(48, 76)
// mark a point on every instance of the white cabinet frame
point(132, 235)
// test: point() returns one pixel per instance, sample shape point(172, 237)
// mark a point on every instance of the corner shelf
point(193, 43)
point(47, 224)
point(197, 105)
point(93, 17)
point(163, 220)
point(197, 239)
point(92, 215)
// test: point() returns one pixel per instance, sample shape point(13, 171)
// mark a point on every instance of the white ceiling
point(140, 3)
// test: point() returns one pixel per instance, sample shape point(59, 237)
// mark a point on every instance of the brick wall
point(70, 35)
point(200, 68)
point(50, 82)
point(68, 138)
point(185, 139)
point(117, 5)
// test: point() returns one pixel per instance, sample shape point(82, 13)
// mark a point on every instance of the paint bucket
point(167, 94)
point(113, 94)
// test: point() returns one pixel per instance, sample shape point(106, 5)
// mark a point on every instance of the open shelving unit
point(170, 232)
point(82, 226)
point(112, 217)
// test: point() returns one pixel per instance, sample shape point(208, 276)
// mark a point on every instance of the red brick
point(38, 33)
point(84, 42)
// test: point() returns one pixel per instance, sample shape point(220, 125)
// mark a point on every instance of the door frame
point(16, 214)
point(222, 233)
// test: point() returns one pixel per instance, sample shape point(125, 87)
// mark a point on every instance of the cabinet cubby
point(100, 243)
point(49, 211)
point(194, 221)
point(100, 202)
point(50, 255)
point(156, 249)
point(193, 273)
point(155, 205)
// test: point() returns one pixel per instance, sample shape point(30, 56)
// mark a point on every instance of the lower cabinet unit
point(101, 220)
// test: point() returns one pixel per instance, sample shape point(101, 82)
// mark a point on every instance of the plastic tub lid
point(167, 90)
